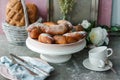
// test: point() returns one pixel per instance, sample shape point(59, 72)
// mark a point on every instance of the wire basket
point(17, 35)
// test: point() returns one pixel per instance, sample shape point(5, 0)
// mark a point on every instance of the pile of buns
point(15, 14)
point(62, 32)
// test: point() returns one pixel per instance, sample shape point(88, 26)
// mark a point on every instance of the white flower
point(98, 36)
point(85, 24)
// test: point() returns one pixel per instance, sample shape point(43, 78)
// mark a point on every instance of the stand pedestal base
point(55, 59)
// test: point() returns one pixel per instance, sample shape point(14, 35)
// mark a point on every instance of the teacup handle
point(111, 52)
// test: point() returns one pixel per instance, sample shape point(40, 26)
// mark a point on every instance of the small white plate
point(5, 73)
point(87, 65)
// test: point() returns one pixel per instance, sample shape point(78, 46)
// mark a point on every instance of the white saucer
point(87, 65)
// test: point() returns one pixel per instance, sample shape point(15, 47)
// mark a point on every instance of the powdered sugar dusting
point(46, 35)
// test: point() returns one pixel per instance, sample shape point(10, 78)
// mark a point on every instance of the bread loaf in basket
point(15, 13)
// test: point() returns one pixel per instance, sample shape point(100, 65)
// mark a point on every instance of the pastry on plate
point(45, 38)
point(59, 39)
point(57, 29)
point(34, 33)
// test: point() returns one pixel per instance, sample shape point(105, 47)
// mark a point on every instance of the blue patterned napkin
point(21, 72)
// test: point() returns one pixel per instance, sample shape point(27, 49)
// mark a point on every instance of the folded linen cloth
point(21, 73)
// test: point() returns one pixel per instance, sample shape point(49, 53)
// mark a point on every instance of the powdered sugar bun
point(57, 29)
point(38, 25)
point(76, 35)
point(66, 23)
point(45, 38)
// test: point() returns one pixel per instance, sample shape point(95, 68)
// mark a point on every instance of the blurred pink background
point(104, 16)
point(105, 10)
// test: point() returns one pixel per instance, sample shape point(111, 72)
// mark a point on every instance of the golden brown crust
point(78, 28)
point(70, 39)
point(34, 33)
point(14, 13)
point(45, 38)
point(32, 12)
point(59, 39)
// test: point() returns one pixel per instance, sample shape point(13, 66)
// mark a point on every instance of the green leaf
point(115, 28)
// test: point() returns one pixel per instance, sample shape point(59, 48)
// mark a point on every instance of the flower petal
point(104, 33)
point(96, 35)
point(85, 24)
point(107, 40)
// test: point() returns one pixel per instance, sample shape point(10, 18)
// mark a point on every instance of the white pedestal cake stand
point(55, 53)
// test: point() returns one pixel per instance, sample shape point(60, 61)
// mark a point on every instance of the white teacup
point(98, 55)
